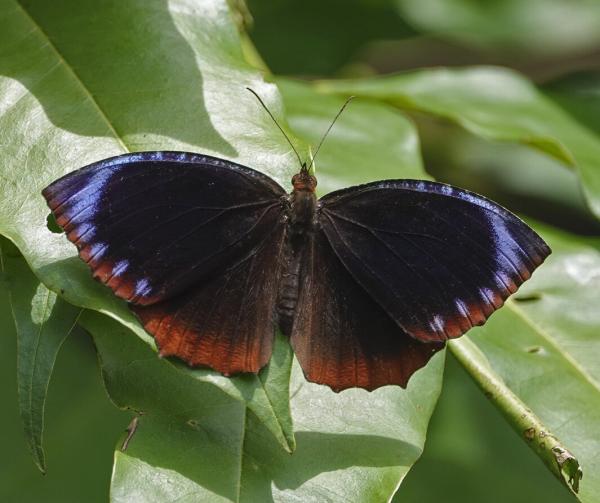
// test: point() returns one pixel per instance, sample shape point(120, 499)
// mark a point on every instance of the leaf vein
point(76, 77)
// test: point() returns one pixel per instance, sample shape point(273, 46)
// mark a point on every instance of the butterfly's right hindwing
point(341, 336)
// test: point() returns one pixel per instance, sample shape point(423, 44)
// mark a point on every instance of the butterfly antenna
point(312, 161)
point(302, 164)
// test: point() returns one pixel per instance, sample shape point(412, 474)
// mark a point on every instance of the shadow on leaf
point(127, 62)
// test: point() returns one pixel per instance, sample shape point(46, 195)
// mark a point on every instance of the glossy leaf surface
point(193, 442)
point(497, 104)
point(393, 152)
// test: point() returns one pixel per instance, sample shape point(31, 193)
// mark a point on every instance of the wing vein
point(374, 273)
point(242, 236)
point(488, 267)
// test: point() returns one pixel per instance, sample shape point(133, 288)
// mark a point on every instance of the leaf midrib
point(272, 407)
point(242, 450)
point(61, 59)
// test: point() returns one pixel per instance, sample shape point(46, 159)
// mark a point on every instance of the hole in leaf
point(193, 423)
point(529, 298)
point(52, 225)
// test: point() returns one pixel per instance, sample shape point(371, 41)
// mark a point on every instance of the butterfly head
point(304, 180)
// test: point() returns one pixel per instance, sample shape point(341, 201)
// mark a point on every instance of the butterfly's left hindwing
point(439, 260)
point(226, 322)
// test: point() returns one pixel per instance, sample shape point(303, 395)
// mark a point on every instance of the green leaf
point(195, 443)
point(535, 26)
point(578, 94)
point(540, 352)
point(474, 454)
point(43, 321)
point(186, 425)
point(353, 446)
point(75, 88)
point(80, 423)
point(497, 104)
point(275, 380)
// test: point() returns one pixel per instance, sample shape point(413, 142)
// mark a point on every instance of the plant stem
point(527, 425)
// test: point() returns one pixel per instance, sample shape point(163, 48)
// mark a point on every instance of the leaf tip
point(290, 443)
point(40, 462)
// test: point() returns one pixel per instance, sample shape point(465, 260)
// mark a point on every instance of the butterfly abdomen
point(301, 210)
point(288, 293)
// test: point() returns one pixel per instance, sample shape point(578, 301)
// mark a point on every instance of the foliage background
point(471, 453)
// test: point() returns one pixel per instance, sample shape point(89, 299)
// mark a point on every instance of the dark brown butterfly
point(368, 282)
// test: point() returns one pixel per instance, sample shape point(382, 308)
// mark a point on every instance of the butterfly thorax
point(301, 212)
point(302, 203)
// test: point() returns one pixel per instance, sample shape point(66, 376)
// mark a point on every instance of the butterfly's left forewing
point(439, 260)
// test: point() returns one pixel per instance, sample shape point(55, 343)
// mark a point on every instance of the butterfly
point(368, 282)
